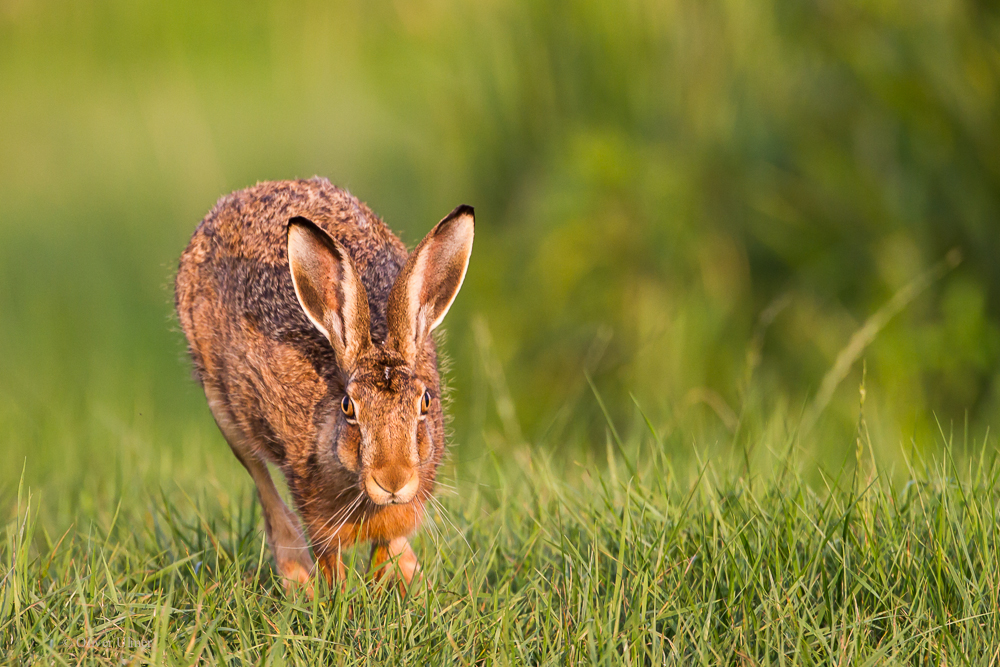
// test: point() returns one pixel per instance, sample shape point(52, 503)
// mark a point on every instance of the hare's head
point(388, 422)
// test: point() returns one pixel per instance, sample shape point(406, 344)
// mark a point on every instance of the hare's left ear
point(429, 281)
point(329, 289)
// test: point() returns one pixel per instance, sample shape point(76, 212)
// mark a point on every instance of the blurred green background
point(694, 203)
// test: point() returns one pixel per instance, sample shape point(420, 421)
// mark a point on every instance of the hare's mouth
point(392, 487)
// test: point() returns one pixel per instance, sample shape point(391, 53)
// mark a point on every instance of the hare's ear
point(328, 289)
point(430, 280)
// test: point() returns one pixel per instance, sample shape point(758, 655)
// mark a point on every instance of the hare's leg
point(332, 566)
point(394, 559)
point(323, 525)
point(291, 553)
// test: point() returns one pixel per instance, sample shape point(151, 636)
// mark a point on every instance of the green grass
point(713, 210)
point(529, 561)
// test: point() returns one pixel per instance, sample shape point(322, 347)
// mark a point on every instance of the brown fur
point(275, 382)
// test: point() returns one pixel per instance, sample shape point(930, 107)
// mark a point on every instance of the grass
point(533, 561)
point(697, 207)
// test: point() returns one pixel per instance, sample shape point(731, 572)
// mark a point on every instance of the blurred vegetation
point(695, 204)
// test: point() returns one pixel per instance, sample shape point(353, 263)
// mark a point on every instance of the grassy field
point(533, 561)
point(730, 214)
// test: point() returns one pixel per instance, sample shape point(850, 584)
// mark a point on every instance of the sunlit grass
point(532, 561)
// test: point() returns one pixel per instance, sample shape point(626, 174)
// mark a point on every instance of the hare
point(309, 327)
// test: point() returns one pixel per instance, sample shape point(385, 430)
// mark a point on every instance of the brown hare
point(309, 328)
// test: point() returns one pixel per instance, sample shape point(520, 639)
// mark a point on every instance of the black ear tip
point(315, 231)
point(299, 220)
point(460, 211)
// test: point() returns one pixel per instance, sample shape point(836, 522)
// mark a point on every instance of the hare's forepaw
point(295, 567)
point(295, 577)
point(396, 562)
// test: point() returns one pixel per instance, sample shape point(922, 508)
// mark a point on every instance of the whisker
point(334, 517)
point(342, 517)
point(318, 498)
point(319, 548)
point(444, 514)
point(432, 526)
point(444, 485)
point(346, 515)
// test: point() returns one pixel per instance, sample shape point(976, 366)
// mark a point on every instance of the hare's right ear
point(429, 281)
point(328, 289)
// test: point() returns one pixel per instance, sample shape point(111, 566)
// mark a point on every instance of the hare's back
point(252, 224)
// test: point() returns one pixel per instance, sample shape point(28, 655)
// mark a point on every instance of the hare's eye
point(425, 402)
point(347, 405)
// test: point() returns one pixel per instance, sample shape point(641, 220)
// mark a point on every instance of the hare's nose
point(392, 485)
